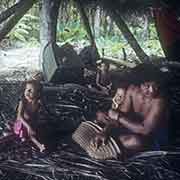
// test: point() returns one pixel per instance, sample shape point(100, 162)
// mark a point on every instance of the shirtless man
point(137, 119)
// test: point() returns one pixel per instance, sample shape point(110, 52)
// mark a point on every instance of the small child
point(28, 112)
point(103, 81)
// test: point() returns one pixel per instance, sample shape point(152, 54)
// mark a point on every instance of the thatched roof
point(127, 8)
point(129, 5)
point(135, 4)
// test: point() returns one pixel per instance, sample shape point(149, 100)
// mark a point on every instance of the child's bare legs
point(38, 144)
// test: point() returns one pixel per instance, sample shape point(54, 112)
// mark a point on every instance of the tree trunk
point(145, 29)
point(9, 25)
point(97, 21)
point(91, 15)
point(116, 16)
point(87, 25)
point(85, 21)
point(48, 15)
point(110, 26)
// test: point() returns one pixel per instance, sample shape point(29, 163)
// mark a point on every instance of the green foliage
point(153, 46)
point(152, 32)
point(74, 31)
point(71, 31)
point(150, 44)
point(111, 44)
point(26, 30)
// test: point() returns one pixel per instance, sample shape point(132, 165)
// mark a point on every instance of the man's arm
point(126, 104)
point(149, 123)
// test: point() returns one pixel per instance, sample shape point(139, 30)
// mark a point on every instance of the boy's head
point(32, 89)
point(150, 88)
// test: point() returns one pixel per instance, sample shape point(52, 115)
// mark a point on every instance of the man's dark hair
point(148, 72)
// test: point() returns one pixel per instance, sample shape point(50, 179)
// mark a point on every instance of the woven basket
point(86, 132)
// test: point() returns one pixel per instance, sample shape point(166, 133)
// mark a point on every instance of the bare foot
point(42, 148)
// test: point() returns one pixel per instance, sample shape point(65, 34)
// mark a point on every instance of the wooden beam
point(9, 25)
point(116, 16)
point(118, 62)
point(10, 11)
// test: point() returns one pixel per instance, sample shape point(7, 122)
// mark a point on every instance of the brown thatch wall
point(129, 6)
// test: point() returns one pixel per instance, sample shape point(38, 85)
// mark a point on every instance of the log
point(118, 62)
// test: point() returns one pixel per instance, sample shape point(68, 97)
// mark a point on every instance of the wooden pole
point(87, 25)
point(9, 25)
point(10, 11)
point(48, 24)
point(129, 37)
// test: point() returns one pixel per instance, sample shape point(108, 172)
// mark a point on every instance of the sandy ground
point(18, 64)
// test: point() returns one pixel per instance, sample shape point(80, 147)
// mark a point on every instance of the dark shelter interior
point(66, 102)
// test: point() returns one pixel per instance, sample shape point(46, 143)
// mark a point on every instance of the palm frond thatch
point(125, 6)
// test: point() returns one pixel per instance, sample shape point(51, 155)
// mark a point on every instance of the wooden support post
point(116, 16)
point(9, 25)
point(48, 27)
point(10, 11)
point(87, 25)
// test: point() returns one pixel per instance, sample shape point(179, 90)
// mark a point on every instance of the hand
point(119, 96)
point(109, 86)
point(102, 118)
point(100, 139)
point(113, 115)
point(114, 106)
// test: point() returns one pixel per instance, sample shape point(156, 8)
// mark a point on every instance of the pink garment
point(19, 129)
